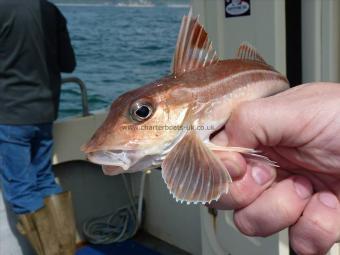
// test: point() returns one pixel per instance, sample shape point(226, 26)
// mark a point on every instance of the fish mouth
point(112, 170)
point(115, 162)
point(110, 159)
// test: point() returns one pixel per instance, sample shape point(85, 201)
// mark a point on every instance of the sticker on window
point(237, 8)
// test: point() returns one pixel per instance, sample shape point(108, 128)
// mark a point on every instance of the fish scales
point(160, 124)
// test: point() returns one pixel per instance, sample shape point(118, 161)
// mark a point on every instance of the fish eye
point(141, 111)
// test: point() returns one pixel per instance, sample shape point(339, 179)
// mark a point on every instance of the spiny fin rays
point(193, 49)
point(205, 179)
point(248, 153)
point(247, 52)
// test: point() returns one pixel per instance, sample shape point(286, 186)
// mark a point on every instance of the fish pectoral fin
point(193, 173)
point(247, 52)
point(247, 152)
point(193, 49)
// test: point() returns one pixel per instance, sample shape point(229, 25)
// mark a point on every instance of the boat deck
point(142, 244)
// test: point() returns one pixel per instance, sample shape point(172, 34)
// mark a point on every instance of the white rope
point(120, 225)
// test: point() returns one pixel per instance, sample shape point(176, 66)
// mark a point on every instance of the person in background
point(34, 48)
point(300, 130)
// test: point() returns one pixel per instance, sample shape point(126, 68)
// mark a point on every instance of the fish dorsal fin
point(247, 52)
point(193, 174)
point(193, 49)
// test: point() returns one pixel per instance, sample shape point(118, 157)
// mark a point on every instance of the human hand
point(300, 130)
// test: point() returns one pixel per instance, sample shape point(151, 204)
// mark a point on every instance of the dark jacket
point(34, 49)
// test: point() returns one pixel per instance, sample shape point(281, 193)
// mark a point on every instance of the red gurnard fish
point(168, 122)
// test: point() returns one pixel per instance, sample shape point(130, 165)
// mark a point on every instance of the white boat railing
point(83, 91)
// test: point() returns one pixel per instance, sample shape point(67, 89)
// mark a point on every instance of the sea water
point(117, 49)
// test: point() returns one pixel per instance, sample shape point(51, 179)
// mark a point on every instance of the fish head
point(140, 128)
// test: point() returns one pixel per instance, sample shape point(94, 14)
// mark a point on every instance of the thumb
point(262, 121)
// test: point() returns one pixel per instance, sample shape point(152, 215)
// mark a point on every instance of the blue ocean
point(118, 49)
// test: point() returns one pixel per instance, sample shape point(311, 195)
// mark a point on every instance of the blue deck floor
point(129, 247)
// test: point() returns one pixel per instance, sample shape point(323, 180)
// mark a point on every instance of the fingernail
point(303, 187)
point(262, 175)
point(329, 200)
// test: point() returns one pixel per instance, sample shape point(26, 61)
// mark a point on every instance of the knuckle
point(326, 229)
point(288, 213)
point(309, 237)
point(240, 197)
point(300, 247)
point(244, 225)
